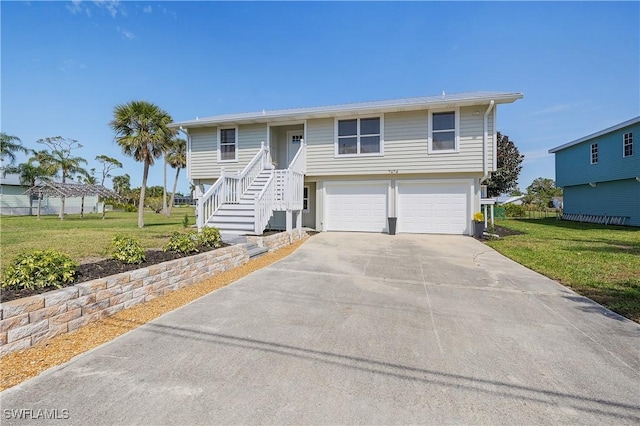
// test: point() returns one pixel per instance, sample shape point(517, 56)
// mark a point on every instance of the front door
point(293, 144)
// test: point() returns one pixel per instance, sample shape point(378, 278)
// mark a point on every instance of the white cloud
point(112, 7)
point(147, 9)
point(71, 65)
point(77, 6)
point(126, 34)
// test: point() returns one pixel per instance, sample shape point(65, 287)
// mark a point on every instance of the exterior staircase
point(239, 218)
point(243, 203)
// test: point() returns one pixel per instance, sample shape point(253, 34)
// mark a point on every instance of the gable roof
point(596, 134)
point(392, 105)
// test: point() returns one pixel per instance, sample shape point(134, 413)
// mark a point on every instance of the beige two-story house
point(347, 167)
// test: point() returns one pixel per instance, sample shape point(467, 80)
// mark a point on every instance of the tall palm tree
point(142, 132)
point(9, 145)
point(177, 158)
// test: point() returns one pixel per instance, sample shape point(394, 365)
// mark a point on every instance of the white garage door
point(433, 208)
point(356, 206)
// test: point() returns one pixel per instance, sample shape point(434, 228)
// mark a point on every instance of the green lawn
point(600, 262)
point(88, 237)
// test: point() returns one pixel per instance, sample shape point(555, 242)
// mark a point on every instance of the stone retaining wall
point(27, 321)
point(277, 241)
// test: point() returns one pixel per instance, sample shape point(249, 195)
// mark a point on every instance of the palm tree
point(33, 171)
point(108, 164)
point(142, 132)
point(177, 158)
point(68, 166)
point(88, 178)
point(122, 185)
point(9, 145)
point(61, 160)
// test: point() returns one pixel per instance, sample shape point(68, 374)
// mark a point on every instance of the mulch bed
point(101, 269)
point(505, 232)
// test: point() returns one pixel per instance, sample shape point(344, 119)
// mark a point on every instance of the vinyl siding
point(614, 198)
point(204, 150)
point(573, 164)
point(405, 148)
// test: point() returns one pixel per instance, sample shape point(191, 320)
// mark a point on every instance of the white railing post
point(223, 186)
point(199, 207)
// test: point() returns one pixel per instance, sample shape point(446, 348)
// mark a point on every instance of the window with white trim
point(627, 145)
point(305, 199)
point(228, 144)
point(443, 131)
point(359, 136)
point(594, 153)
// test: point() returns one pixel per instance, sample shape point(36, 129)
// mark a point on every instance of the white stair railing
point(289, 183)
point(228, 189)
point(264, 206)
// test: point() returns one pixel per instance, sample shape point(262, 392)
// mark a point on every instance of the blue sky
point(65, 65)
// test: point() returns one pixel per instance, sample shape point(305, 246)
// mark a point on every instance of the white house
point(347, 167)
point(14, 200)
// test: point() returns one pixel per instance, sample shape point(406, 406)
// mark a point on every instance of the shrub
point(210, 237)
point(40, 269)
point(514, 210)
point(127, 250)
point(154, 203)
point(182, 243)
point(185, 221)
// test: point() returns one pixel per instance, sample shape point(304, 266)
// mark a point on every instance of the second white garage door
point(356, 206)
point(433, 208)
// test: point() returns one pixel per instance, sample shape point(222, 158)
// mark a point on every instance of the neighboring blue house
point(600, 173)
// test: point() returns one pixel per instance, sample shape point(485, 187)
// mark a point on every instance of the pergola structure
point(66, 190)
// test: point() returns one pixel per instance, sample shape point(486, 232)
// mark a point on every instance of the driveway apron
point(360, 329)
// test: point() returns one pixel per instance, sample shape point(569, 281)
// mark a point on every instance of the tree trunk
point(62, 199)
point(104, 207)
point(173, 194)
point(164, 187)
point(143, 187)
point(61, 215)
point(39, 204)
point(82, 207)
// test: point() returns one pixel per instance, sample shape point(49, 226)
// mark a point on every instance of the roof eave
point(596, 134)
point(345, 111)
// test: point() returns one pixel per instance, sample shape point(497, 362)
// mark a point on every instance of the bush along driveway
point(597, 261)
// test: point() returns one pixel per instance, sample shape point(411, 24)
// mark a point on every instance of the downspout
point(186, 133)
point(485, 136)
point(485, 157)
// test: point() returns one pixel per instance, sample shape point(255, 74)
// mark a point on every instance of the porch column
point(492, 221)
point(486, 216)
point(289, 215)
point(299, 223)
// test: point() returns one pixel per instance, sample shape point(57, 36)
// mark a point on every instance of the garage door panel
point(357, 207)
point(433, 208)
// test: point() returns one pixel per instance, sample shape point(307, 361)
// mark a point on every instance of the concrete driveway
point(361, 329)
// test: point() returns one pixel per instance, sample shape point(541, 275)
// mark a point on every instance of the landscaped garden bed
point(101, 269)
point(29, 320)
